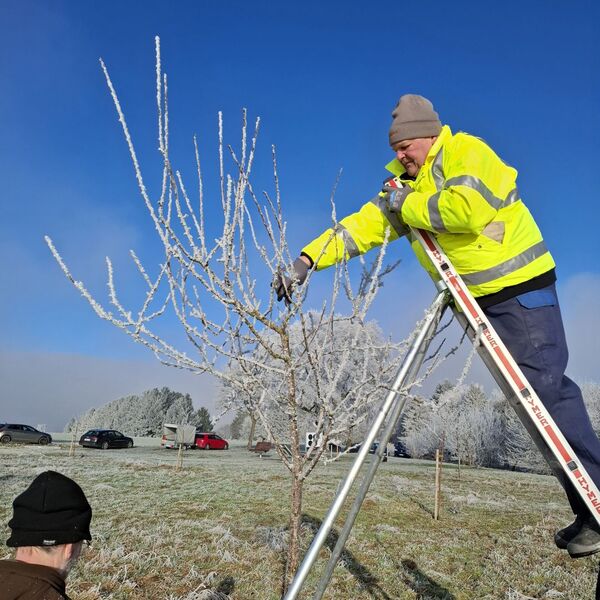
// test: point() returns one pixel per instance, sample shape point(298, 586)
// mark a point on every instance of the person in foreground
point(455, 186)
point(51, 520)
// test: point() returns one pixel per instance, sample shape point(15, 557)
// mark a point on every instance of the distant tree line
point(477, 429)
point(465, 423)
point(144, 415)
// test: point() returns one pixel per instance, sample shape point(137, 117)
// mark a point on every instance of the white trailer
point(175, 435)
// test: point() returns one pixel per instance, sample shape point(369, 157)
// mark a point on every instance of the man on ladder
point(455, 186)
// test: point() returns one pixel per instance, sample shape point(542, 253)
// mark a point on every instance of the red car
point(211, 441)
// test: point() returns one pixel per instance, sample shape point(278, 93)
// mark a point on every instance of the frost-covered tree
point(441, 390)
point(138, 415)
point(201, 420)
point(236, 426)
point(71, 425)
point(423, 427)
point(180, 411)
point(424, 424)
point(213, 279)
point(591, 397)
point(237, 392)
point(157, 402)
point(417, 435)
point(517, 449)
point(462, 419)
point(472, 426)
point(354, 399)
point(477, 429)
point(251, 429)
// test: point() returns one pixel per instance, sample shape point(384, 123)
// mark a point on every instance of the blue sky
point(323, 77)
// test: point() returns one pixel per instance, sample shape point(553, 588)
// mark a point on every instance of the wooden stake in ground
point(179, 464)
point(72, 445)
point(438, 485)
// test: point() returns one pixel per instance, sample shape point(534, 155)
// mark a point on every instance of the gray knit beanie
point(413, 117)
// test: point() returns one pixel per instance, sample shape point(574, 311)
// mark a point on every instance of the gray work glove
point(284, 284)
point(397, 196)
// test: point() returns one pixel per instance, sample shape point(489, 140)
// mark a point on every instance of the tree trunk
point(252, 430)
point(438, 485)
point(293, 554)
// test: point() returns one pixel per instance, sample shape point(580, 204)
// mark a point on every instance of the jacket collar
point(48, 575)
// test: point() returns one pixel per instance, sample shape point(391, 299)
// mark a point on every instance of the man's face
point(412, 153)
point(73, 558)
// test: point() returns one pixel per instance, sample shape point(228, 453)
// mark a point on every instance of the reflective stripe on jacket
point(468, 197)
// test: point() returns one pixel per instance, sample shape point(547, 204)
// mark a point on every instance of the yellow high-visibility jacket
point(468, 198)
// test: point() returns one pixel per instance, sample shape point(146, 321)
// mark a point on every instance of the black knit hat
point(53, 510)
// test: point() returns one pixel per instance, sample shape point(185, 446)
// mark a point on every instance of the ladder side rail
point(523, 392)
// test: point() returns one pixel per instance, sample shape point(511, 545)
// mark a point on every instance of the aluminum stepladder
point(453, 292)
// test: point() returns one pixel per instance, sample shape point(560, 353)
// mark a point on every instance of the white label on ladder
point(512, 374)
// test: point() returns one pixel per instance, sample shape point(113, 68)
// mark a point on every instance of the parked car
point(12, 432)
point(372, 449)
point(210, 441)
point(401, 450)
point(105, 439)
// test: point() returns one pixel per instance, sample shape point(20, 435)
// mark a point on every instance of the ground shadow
point(365, 578)
point(226, 585)
point(424, 508)
point(424, 587)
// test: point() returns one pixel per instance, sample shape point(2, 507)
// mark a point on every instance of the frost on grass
point(387, 528)
point(403, 485)
point(103, 486)
point(375, 498)
point(155, 536)
point(473, 498)
point(205, 590)
point(202, 595)
point(274, 538)
point(225, 544)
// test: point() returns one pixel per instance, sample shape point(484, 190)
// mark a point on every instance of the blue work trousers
point(531, 327)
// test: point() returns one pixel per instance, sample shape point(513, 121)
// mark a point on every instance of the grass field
point(216, 529)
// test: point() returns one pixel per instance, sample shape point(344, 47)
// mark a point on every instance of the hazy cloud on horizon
point(50, 388)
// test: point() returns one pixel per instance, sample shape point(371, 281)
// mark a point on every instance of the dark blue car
point(105, 439)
